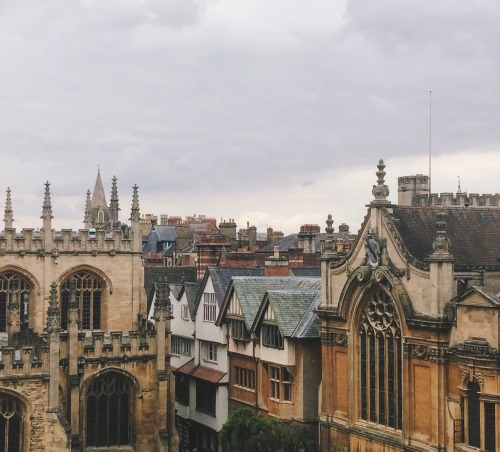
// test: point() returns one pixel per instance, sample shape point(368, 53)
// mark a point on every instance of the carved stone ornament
point(480, 378)
point(334, 339)
point(372, 249)
point(2, 251)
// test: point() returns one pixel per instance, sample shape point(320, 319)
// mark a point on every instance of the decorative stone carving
point(334, 339)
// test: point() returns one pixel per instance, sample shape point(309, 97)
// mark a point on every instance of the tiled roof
point(314, 272)
point(165, 233)
point(172, 275)
point(201, 372)
point(221, 277)
point(251, 291)
point(293, 310)
point(191, 289)
point(473, 233)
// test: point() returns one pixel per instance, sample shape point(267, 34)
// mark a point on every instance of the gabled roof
point(473, 233)
point(165, 233)
point(191, 289)
point(251, 290)
point(293, 311)
point(221, 277)
point(488, 297)
point(172, 275)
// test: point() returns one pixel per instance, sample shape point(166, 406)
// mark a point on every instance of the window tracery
point(11, 424)
point(380, 361)
point(14, 289)
point(89, 290)
point(108, 411)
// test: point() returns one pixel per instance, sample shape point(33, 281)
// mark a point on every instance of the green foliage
point(246, 432)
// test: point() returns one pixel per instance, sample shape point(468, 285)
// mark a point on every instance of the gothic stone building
point(79, 369)
point(410, 325)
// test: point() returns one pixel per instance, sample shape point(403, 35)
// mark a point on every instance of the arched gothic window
point(89, 291)
point(109, 411)
point(13, 288)
point(380, 359)
point(11, 424)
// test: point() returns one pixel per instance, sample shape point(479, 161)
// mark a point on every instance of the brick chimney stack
point(296, 257)
point(276, 265)
point(307, 237)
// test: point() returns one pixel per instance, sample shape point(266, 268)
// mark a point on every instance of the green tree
point(246, 432)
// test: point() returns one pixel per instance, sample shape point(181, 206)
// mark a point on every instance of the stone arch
point(29, 297)
point(372, 305)
point(86, 268)
point(361, 281)
point(103, 380)
point(24, 273)
point(25, 416)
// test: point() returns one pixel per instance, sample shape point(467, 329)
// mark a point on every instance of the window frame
point(271, 336)
point(244, 378)
point(209, 307)
point(206, 397)
point(210, 351)
point(180, 345)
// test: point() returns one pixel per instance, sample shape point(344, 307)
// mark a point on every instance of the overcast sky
point(274, 112)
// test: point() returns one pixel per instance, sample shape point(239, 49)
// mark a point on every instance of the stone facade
point(409, 327)
point(81, 368)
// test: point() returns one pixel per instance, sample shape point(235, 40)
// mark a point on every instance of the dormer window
point(239, 330)
point(271, 336)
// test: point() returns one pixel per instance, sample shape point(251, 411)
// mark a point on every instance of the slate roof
point(173, 275)
point(473, 232)
point(293, 311)
point(251, 290)
point(191, 289)
point(314, 272)
point(165, 233)
point(221, 277)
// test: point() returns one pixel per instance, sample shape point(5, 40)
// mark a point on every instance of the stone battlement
point(17, 361)
point(457, 200)
point(30, 241)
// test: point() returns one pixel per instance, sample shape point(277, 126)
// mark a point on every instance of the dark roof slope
point(221, 277)
point(191, 289)
point(474, 233)
point(173, 275)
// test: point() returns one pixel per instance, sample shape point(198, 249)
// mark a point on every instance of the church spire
point(98, 196)
point(113, 204)
point(9, 218)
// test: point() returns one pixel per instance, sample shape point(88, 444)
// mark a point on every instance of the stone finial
point(380, 191)
point(47, 206)
point(162, 303)
point(135, 214)
point(53, 311)
point(441, 244)
point(87, 220)
point(113, 202)
point(329, 245)
point(9, 218)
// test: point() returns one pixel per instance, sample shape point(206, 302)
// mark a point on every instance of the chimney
point(276, 265)
point(296, 257)
point(307, 237)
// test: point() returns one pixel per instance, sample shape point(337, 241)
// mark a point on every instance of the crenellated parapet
point(84, 241)
point(23, 361)
point(469, 200)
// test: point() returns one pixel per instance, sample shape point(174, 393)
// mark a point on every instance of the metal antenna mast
point(430, 141)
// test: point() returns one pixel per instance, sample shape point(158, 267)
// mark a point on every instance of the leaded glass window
point(89, 290)
point(11, 424)
point(380, 354)
point(109, 411)
point(474, 414)
point(14, 288)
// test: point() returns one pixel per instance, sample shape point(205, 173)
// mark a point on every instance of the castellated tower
point(79, 366)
